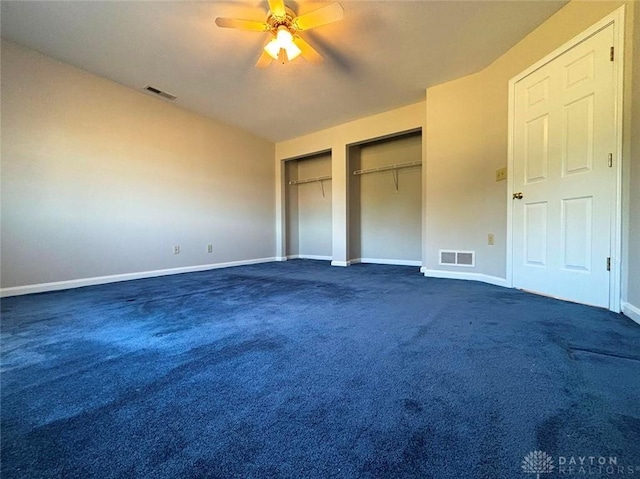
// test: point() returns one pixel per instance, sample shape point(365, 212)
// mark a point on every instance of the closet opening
point(385, 200)
point(308, 207)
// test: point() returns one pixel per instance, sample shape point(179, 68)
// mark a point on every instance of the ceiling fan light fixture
point(283, 40)
point(292, 51)
point(283, 36)
point(273, 49)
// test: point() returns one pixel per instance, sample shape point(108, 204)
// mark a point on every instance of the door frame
point(616, 18)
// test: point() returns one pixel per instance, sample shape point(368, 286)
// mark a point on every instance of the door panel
point(536, 149)
point(576, 233)
point(577, 154)
point(580, 70)
point(535, 225)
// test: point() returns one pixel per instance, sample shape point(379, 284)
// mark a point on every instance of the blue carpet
point(302, 370)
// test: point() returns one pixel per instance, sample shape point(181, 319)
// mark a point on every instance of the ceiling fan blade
point(277, 8)
point(322, 16)
point(250, 25)
point(264, 61)
point(307, 51)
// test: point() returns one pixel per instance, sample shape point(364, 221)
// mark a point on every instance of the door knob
point(517, 196)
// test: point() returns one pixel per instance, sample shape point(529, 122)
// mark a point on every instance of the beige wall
point(466, 141)
point(98, 179)
point(464, 203)
point(385, 224)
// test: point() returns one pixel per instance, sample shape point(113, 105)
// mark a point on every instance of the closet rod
point(389, 167)
point(310, 180)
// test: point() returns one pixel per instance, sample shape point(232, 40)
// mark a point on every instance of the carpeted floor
point(302, 370)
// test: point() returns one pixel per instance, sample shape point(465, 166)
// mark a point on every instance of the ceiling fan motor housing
point(287, 21)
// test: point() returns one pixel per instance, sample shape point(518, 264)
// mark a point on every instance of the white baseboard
point(397, 262)
point(78, 283)
point(280, 258)
point(485, 278)
point(631, 311)
point(340, 263)
point(309, 256)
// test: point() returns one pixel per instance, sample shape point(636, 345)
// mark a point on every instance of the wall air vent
point(163, 94)
point(457, 258)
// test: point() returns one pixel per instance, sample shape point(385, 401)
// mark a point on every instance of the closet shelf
point(388, 167)
point(310, 180)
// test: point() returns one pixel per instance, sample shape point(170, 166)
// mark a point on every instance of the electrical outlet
point(209, 248)
point(501, 174)
point(491, 240)
point(176, 249)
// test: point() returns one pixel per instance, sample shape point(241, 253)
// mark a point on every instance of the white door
point(563, 180)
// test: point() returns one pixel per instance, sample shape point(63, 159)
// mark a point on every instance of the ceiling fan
point(284, 28)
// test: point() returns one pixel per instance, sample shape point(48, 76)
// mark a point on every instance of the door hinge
point(608, 264)
point(610, 160)
point(611, 54)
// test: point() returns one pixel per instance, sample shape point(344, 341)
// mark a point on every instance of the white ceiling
point(381, 56)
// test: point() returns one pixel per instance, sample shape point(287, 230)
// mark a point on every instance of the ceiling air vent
point(457, 258)
point(163, 94)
